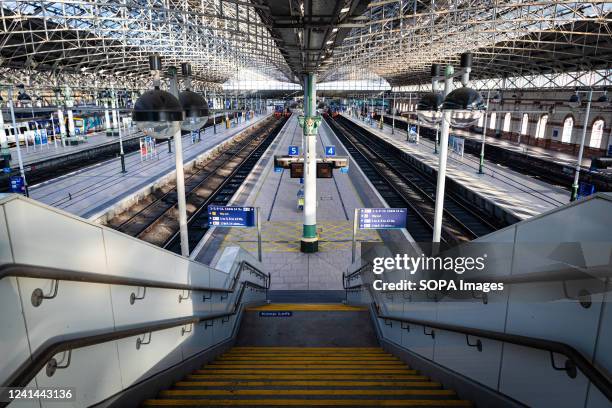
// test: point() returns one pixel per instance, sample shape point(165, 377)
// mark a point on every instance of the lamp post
point(463, 99)
point(19, 159)
point(393, 113)
point(159, 114)
point(575, 102)
point(484, 136)
point(116, 121)
point(195, 108)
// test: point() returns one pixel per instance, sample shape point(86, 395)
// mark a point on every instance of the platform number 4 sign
point(330, 150)
point(294, 150)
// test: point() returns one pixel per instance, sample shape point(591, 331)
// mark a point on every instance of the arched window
point(507, 121)
point(596, 133)
point(568, 125)
point(524, 124)
point(492, 120)
point(541, 128)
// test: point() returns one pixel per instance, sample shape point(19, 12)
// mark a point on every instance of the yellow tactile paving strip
point(284, 236)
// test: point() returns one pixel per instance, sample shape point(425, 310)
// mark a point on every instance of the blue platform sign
point(278, 169)
point(17, 184)
point(293, 151)
point(585, 189)
point(220, 216)
point(330, 150)
point(382, 218)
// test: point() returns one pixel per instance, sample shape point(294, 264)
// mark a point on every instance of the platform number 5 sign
point(294, 150)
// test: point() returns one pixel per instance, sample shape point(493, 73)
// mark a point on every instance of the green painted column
point(310, 124)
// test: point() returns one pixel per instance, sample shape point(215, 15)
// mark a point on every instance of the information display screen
point(219, 216)
point(325, 170)
point(296, 170)
point(382, 218)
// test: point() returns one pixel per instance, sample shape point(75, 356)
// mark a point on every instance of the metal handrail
point(43, 272)
point(24, 374)
point(597, 376)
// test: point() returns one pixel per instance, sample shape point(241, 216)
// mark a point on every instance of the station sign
point(17, 184)
point(293, 151)
point(221, 216)
point(585, 189)
point(330, 150)
point(280, 313)
point(382, 218)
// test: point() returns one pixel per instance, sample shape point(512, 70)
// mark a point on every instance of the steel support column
point(310, 124)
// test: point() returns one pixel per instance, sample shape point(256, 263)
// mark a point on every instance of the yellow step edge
point(305, 358)
point(308, 383)
point(323, 357)
point(306, 371)
point(308, 355)
point(322, 364)
point(307, 307)
point(300, 376)
point(186, 393)
point(311, 402)
point(275, 348)
point(308, 350)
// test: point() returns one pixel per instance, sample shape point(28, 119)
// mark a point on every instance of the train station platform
point(275, 193)
point(35, 154)
point(520, 195)
point(561, 158)
point(91, 191)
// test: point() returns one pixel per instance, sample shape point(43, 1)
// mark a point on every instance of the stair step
point(308, 383)
point(309, 360)
point(275, 392)
point(308, 307)
point(309, 402)
point(332, 349)
point(307, 377)
point(327, 371)
point(324, 364)
point(298, 375)
point(306, 356)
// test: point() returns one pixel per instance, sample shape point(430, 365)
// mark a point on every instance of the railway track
point(213, 182)
point(541, 169)
point(403, 186)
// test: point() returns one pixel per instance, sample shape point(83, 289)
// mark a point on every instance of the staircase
point(307, 355)
point(307, 377)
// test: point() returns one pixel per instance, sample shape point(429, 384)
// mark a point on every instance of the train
point(41, 131)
